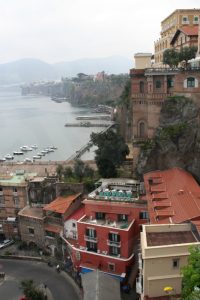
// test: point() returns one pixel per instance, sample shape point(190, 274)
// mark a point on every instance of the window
point(114, 237)
point(191, 82)
point(2, 201)
point(100, 215)
point(114, 250)
point(141, 87)
point(158, 84)
point(91, 246)
point(170, 83)
point(15, 190)
point(142, 129)
point(90, 232)
point(50, 234)
point(144, 215)
point(122, 218)
point(185, 20)
point(1, 189)
point(111, 267)
point(196, 20)
point(16, 201)
point(73, 224)
point(31, 230)
point(175, 263)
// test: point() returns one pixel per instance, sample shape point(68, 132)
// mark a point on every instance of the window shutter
point(110, 236)
point(185, 83)
point(118, 238)
point(87, 231)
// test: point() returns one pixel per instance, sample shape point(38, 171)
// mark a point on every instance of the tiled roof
point(52, 228)
point(188, 30)
point(61, 204)
point(180, 201)
point(77, 214)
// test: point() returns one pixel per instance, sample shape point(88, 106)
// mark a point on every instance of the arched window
point(141, 86)
point(190, 82)
point(141, 129)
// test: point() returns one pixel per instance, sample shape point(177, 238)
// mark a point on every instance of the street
point(40, 273)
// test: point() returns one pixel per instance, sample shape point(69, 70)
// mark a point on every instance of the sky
point(66, 30)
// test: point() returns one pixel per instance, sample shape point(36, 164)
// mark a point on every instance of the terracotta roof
point(52, 228)
point(77, 214)
point(61, 204)
point(181, 201)
point(187, 30)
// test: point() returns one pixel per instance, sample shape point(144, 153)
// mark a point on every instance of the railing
point(89, 238)
point(153, 96)
point(113, 243)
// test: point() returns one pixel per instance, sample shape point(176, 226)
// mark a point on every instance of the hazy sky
point(62, 30)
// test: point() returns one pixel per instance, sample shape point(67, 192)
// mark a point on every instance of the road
point(17, 270)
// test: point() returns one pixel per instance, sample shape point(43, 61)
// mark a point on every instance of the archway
point(141, 129)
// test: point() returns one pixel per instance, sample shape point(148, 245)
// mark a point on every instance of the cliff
point(177, 139)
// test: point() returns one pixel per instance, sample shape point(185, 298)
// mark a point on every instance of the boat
point(8, 157)
point(34, 146)
point(26, 148)
point(2, 159)
point(44, 152)
point(27, 159)
point(40, 154)
point(36, 157)
point(53, 147)
point(18, 153)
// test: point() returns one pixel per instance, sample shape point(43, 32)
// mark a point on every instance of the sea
point(29, 120)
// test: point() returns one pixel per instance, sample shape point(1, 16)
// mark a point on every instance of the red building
point(108, 229)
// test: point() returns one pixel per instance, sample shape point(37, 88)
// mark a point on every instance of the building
point(42, 226)
point(150, 88)
point(179, 19)
point(108, 228)
point(172, 196)
point(164, 251)
point(13, 197)
point(185, 37)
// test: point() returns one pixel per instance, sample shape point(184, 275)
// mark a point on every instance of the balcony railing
point(113, 243)
point(153, 96)
point(89, 238)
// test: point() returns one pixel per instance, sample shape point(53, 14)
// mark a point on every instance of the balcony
point(162, 71)
point(139, 285)
point(153, 96)
point(89, 238)
point(107, 223)
point(113, 243)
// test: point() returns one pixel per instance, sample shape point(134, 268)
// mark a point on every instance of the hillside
point(177, 139)
point(28, 70)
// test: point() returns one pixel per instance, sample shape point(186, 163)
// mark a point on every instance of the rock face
point(177, 139)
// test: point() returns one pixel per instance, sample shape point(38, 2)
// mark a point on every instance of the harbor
point(87, 124)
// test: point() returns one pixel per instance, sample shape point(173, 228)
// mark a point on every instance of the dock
point(101, 117)
point(87, 124)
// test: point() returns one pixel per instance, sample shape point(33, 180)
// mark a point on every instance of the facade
point(109, 228)
point(151, 87)
point(43, 226)
point(172, 196)
point(177, 20)
point(185, 37)
point(164, 251)
point(13, 197)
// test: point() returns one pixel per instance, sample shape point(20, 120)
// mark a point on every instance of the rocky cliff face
point(177, 139)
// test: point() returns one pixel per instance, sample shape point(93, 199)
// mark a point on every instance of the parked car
point(6, 243)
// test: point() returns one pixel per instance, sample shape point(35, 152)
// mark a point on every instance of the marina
point(87, 124)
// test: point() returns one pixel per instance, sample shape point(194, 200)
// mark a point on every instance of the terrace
point(125, 225)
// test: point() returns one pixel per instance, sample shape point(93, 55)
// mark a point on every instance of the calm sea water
point(28, 120)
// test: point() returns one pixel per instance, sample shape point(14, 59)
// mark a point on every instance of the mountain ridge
point(30, 69)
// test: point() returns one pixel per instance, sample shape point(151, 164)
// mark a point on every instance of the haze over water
point(28, 120)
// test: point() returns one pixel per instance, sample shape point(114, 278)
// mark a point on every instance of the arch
point(142, 129)
point(141, 86)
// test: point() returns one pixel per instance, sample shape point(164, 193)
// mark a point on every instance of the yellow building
point(164, 251)
point(176, 20)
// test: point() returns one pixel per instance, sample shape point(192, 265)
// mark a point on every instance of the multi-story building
point(107, 228)
point(185, 37)
point(42, 226)
point(164, 251)
point(13, 197)
point(179, 19)
point(150, 88)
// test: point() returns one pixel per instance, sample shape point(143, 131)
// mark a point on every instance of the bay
point(28, 120)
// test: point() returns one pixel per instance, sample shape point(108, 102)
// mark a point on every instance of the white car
point(6, 243)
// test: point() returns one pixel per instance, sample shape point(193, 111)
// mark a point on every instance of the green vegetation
point(126, 94)
point(191, 276)
point(172, 131)
point(172, 57)
point(31, 291)
point(111, 152)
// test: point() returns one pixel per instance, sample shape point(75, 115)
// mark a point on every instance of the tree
point(79, 167)
point(59, 171)
point(187, 53)
point(111, 152)
point(31, 291)
point(191, 275)
point(171, 57)
point(68, 172)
